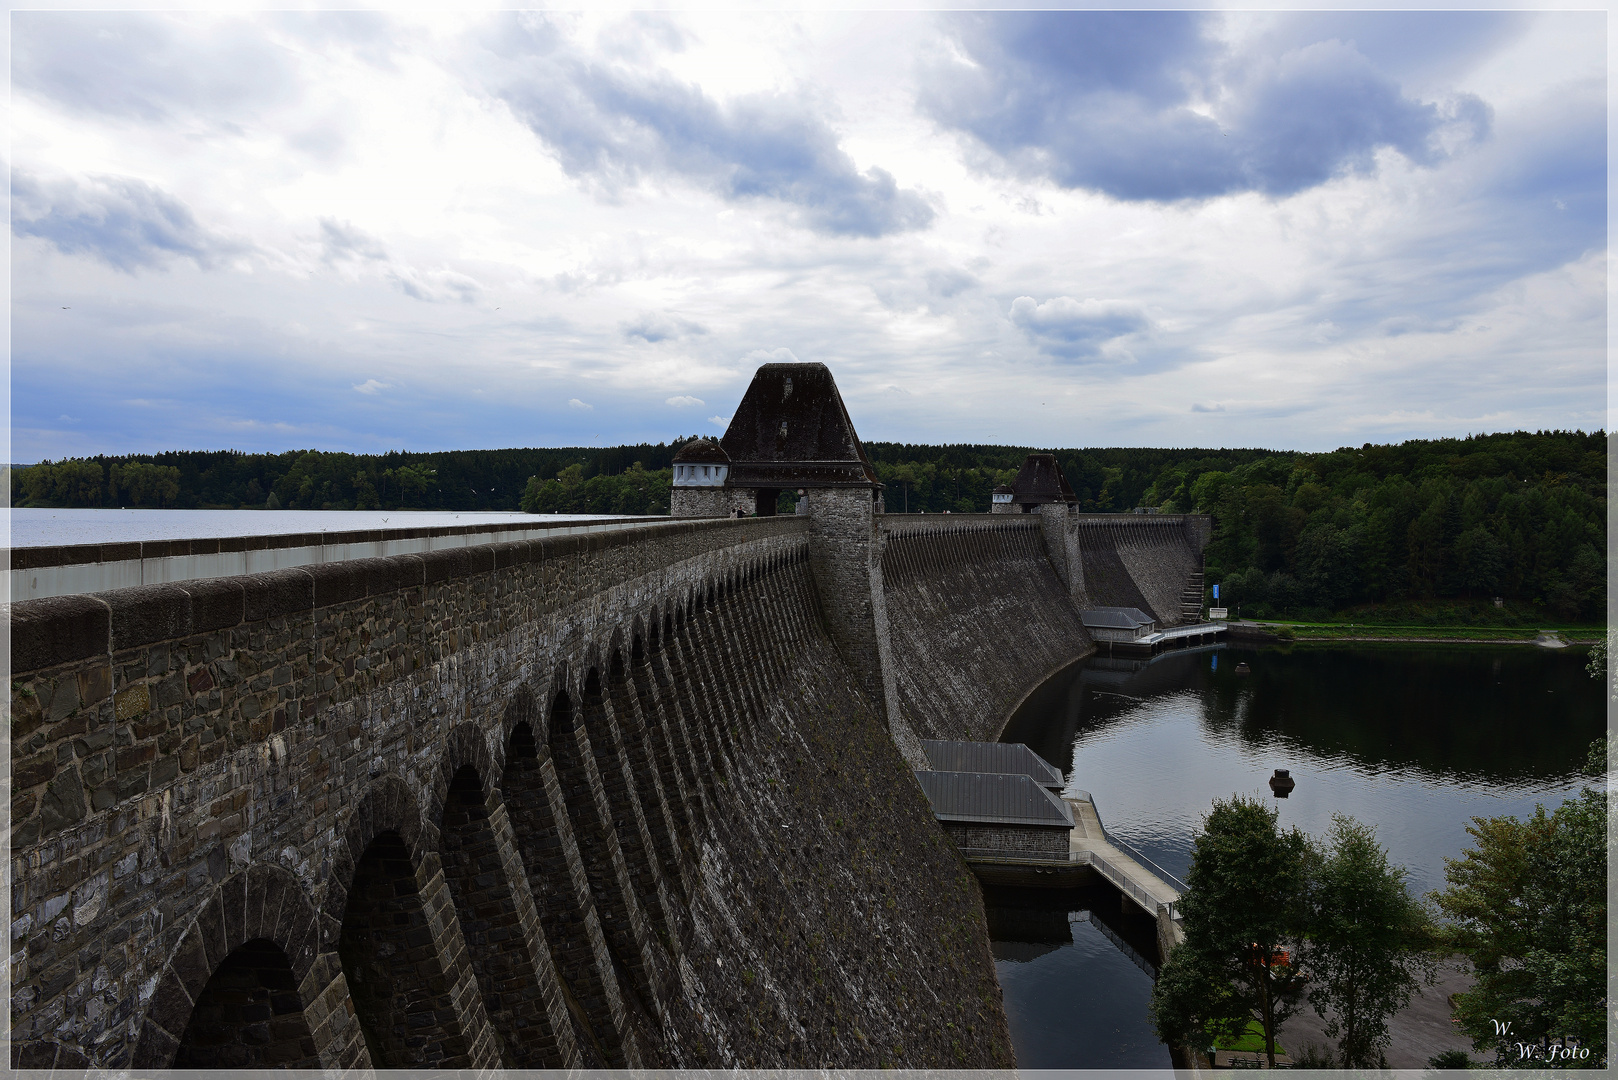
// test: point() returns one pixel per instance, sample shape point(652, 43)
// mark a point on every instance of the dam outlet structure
point(641, 795)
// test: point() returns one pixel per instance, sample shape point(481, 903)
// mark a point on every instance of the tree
point(1366, 950)
point(146, 484)
point(1601, 663)
point(1528, 906)
point(1243, 915)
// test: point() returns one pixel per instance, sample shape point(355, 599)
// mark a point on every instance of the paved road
point(1420, 1031)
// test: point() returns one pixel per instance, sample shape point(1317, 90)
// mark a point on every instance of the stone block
point(170, 1006)
point(444, 565)
point(338, 583)
point(216, 604)
point(30, 772)
point(277, 594)
point(148, 614)
point(95, 683)
point(136, 701)
point(58, 630)
point(62, 804)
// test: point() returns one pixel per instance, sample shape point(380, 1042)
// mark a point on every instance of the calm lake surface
point(32, 527)
point(1413, 739)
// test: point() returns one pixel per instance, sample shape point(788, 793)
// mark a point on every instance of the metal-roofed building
point(988, 757)
point(1126, 624)
point(999, 814)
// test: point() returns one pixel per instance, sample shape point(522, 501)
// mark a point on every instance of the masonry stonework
point(977, 617)
point(419, 811)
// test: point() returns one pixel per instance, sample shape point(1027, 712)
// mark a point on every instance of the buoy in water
point(1243, 669)
point(1282, 783)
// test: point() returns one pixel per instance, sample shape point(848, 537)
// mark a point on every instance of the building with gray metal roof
point(988, 757)
point(993, 799)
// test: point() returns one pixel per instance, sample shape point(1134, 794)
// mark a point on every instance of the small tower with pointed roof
point(701, 475)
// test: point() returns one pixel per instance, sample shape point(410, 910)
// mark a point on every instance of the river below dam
point(1413, 739)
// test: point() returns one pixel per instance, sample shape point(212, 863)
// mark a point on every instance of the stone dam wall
point(602, 800)
point(977, 617)
point(1138, 560)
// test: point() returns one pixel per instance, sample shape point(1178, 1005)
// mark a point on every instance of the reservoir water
point(1413, 739)
point(43, 527)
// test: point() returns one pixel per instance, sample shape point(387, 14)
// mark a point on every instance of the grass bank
point(1340, 631)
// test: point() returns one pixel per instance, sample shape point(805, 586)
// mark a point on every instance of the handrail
point(1111, 839)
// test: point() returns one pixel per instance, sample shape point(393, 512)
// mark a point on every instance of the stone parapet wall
point(625, 788)
point(976, 617)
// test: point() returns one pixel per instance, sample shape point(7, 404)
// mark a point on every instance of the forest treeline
point(1520, 515)
point(594, 480)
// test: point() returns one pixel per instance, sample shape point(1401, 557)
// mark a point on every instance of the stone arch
point(590, 815)
point(399, 973)
point(386, 805)
point(649, 758)
point(608, 718)
point(560, 889)
point(638, 630)
point(499, 926)
point(521, 708)
point(257, 937)
point(465, 746)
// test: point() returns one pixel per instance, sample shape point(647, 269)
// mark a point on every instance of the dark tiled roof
point(791, 430)
point(1117, 618)
point(989, 757)
point(1041, 481)
point(993, 799)
point(702, 452)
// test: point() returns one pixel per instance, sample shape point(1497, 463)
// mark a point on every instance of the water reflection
point(1076, 969)
point(1510, 715)
point(1414, 740)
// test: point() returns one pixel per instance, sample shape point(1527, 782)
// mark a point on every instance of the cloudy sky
point(374, 231)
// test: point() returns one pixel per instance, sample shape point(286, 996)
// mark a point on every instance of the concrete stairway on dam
point(1191, 599)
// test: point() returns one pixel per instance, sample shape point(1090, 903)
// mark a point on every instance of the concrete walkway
point(1088, 843)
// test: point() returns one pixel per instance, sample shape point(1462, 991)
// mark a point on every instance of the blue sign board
point(1216, 592)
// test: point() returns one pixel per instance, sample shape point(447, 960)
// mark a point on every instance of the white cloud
point(263, 212)
point(770, 356)
point(719, 421)
point(682, 401)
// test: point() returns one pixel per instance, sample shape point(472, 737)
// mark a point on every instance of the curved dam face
point(982, 608)
point(606, 801)
point(1149, 561)
point(977, 616)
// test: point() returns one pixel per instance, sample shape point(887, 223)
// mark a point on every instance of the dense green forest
point(594, 480)
point(1427, 524)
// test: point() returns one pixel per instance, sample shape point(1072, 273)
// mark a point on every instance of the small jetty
point(1129, 631)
